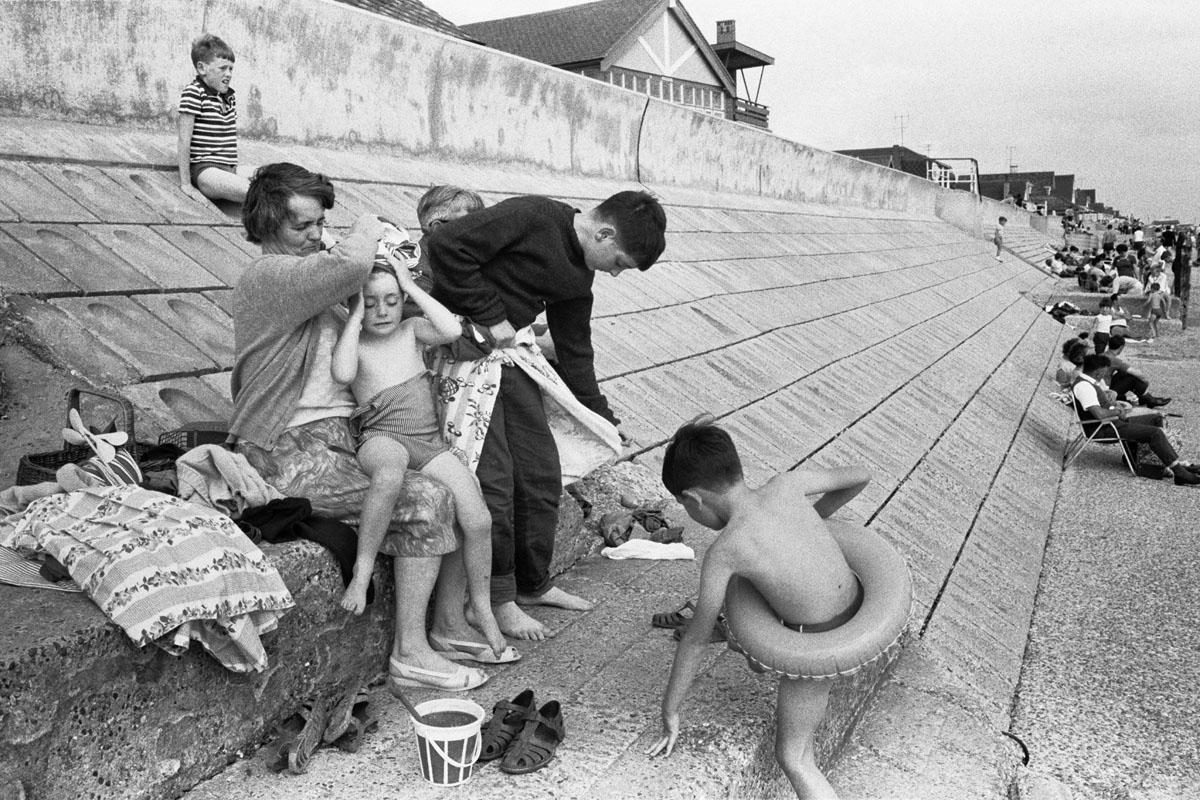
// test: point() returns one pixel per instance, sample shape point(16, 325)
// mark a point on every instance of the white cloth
point(222, 479)
point(467, 394)
point(646, 549)
point(1085, 392)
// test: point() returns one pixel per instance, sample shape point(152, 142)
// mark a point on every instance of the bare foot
point(555, 597)
point(516, 623)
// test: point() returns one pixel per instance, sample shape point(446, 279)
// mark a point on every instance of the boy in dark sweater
point(501, 267)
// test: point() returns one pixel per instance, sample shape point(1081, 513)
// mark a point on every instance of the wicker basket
point(195, 434)
point(41, 467)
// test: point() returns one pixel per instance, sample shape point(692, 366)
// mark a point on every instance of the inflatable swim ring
point(756, 631)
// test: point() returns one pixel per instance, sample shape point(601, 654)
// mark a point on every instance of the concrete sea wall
point(824, 309)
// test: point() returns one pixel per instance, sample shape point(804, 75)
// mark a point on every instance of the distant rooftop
point(412, 12)
point(564, 36)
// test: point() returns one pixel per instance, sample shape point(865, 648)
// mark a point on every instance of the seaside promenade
point(826, 310)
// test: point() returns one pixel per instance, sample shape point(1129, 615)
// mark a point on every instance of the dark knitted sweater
point(513, 260)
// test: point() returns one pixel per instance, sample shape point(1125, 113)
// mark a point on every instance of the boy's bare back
point(782, 546)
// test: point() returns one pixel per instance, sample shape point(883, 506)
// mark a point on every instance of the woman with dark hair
point(291, 418)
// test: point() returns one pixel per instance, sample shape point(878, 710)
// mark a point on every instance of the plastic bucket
point(448, 751)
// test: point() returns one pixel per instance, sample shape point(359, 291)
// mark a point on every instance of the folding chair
point(1104, 432)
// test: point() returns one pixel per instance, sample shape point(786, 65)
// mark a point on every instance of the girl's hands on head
point(357, 306)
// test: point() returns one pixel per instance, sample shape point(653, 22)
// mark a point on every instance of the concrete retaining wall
point(317, 71)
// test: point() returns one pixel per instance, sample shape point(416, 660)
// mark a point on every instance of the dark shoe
point(1149, 401)
point(1185, 477)
point(508, 720)
point(538, 741)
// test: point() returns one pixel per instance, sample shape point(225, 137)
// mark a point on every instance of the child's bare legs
point(1153, 326)
point(384, 460)
point(798, 712)
point(469, 570)
point(217, 184)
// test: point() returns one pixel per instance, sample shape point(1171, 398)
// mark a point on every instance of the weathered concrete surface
point(1107, 701)
point(443, 100)
point(86, 714)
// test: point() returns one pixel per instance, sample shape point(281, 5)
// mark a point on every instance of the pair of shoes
point(1186, 477)
point(461, 679)
point(463, 650)
point(299, 736)
point(350, 722)
point(1150, 401)
point(522, 735)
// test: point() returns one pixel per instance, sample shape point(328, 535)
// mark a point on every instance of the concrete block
point(197, 320)
point(167, 404)
point(153, 256)
point(160, 190)
point(222, 298)
point(79, 258)
point(87, 714)
point(68, 343)
point(218, 255)
point(36, 199)
point(152, 347)
point(24, 273)
point(107, 200)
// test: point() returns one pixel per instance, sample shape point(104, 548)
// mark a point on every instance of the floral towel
point(165, 570)
point(467, 394)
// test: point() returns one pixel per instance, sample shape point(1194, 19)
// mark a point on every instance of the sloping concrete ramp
point(822, 309)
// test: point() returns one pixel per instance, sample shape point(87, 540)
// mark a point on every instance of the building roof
point(588, 33)
point(412, 12)
point(564, 36)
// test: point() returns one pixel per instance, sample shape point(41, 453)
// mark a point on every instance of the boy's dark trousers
point(521, 480)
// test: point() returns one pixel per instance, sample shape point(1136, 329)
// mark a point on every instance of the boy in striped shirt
point(208, 126)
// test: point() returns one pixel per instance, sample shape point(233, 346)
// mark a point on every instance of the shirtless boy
point(395, 427)
point(774, 537)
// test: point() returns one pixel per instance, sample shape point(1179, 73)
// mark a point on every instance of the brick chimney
point(726, 31)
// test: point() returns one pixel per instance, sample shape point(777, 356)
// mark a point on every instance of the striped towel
point(17, 570)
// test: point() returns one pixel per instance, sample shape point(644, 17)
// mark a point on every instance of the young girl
point(396, 427)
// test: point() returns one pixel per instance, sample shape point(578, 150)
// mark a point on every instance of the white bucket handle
point(436, 744)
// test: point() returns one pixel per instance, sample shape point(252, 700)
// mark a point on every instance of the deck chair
point(1104, 432)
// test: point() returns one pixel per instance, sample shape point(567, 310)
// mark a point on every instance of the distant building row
point(1047, 191)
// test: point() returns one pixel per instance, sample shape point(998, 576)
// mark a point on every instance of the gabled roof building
point(649, 46)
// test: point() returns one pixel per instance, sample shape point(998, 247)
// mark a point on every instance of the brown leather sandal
point(508, 720)
point(539, 740)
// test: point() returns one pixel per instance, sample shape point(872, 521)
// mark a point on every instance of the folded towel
point(644, 548)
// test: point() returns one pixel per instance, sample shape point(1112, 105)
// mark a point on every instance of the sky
point(1104, 90)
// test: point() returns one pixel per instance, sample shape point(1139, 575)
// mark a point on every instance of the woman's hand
point(368, 225)
point(666, 743)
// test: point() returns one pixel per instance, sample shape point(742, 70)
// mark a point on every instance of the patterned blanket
point(467, 395)
point(165, 570)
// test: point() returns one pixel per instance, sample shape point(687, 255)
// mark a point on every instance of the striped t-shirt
point(214, 136)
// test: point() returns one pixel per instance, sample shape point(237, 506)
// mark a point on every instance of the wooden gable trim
point(630, 38)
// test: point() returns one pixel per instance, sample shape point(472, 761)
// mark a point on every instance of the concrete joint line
point(833, 438)
point(971, 528)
